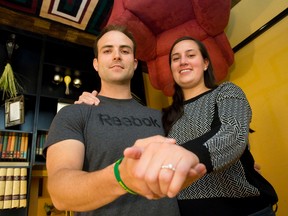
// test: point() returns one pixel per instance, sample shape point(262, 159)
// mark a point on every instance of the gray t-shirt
point(106, 130)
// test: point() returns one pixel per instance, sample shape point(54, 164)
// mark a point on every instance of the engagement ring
point(168, 166)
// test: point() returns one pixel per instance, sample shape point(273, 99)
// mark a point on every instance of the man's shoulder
point(151, 110)
point(74, 110)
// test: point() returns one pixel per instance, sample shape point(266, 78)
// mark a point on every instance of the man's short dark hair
point(119, 28)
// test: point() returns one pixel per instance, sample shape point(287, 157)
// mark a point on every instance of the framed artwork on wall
point(14, 111)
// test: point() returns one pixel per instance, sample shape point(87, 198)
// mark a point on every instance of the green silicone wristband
point(118, 178)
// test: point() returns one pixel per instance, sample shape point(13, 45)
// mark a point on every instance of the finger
point(151, 159)
point(200, 169)
point(183, 179)
point(133, 152)
point(152, 149)
point(179, 177)
point(94, 93)
point(154, 139)
point(154, 175)
point(165, 178)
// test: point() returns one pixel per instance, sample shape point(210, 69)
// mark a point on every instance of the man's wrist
point(118, 177)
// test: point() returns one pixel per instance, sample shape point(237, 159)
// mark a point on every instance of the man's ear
point(95, 64)
point(135, 64)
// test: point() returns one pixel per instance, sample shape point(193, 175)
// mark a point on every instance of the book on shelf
point(16, 188)
point(23, 187)
point(3, 171)
point(7, 202)
point(41, 138)
point(1, 145)
point(13, 187)
point(14, 146)
point(4, 147)
point(24, 146)
point(38, 144)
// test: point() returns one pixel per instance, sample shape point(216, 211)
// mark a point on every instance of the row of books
point(14, 145)
point(41, 138)
point(13, 187)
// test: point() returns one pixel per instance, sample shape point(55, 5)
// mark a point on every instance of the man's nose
point(117, 54)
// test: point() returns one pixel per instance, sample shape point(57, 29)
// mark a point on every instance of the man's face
point(116, 62)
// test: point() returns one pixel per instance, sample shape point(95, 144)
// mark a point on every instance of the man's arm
point(73, 189)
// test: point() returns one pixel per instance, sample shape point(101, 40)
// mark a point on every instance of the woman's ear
point(206, 63)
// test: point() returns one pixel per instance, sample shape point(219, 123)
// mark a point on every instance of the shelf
point(14, 164)
point(39, 173)
point(34, 64)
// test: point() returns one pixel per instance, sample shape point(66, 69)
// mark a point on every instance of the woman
point(213, 122)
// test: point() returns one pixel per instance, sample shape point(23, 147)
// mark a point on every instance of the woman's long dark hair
point(172, 113)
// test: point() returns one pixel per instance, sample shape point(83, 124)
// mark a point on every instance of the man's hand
point(88, 98)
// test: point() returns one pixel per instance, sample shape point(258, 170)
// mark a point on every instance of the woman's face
point(188, 65)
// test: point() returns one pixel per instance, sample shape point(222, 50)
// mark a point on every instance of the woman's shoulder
point(229, 87)
point(230, 90)
point(228, 84)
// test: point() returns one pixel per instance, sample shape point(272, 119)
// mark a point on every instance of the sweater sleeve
point(224, 144)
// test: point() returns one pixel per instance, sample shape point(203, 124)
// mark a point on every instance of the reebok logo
point(128, 121)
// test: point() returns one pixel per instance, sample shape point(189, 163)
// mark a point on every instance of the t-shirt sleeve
point(67, 124)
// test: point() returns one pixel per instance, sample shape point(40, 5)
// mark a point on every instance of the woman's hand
point(166, 167)
point(88, 98)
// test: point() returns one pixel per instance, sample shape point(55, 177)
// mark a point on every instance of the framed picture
point(63, 102)
point(14, 111)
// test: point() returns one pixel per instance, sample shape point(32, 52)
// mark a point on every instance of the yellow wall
point(155, 98)
point(248, 16)
point(261, 70)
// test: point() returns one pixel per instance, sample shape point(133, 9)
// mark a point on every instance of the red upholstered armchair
point(156, 24)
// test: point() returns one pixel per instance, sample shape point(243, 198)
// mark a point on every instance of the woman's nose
point(183, 60)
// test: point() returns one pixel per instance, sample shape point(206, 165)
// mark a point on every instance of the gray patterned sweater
point(215, 126)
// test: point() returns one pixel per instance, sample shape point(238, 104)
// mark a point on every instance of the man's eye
point(175, 59)
point(125, 51)
point(106, 51)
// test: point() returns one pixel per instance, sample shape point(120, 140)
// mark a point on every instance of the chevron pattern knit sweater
point(215, 126)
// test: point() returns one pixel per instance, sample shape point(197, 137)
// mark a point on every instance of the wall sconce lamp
point(11, 45)
point(58, 78)
point(67, 80)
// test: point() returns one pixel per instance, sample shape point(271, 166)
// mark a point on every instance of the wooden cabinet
point(35, 63)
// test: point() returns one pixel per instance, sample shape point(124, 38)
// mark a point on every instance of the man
point(84, 142)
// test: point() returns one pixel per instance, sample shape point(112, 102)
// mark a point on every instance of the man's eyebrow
point(126, 46)
point(121, 46)
point(106, 46)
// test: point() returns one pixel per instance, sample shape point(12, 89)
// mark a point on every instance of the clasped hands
point(157, 167)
